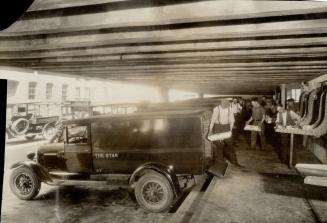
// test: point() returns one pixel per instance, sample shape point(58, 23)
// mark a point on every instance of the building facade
point(49, 91)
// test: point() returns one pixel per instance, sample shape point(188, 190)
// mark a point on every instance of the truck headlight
point(31, 156)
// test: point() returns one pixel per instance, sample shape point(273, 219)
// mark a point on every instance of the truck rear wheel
point(154, 193)
point(24, 183)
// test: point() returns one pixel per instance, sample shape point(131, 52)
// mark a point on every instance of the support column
point(283, 94)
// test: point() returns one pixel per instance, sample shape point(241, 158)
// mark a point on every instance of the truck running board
point(88, 183)
point(67, 176)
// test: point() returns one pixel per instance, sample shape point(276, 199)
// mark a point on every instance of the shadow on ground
point(292, 186)
point(102, 196)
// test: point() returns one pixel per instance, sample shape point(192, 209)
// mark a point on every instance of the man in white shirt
point(257, 118)
point(222, 120)
point(236, 108)
point(285, 118)
point(222, 114)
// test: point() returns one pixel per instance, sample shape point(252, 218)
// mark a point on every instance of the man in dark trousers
point(236, 108)
point(222, 120)
point(257, 118)
point(286, 118)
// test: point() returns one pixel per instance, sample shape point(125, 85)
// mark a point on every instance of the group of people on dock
point(263, 112)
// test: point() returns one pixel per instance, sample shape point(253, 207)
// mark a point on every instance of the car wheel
point(30, 137)
point(24, 183)
point(20, 126)
point(49, 131)
point(154, 193)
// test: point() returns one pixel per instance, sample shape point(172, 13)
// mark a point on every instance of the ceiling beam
point(198, 63)
point(27, 49)
point(218, 71)
point(187, 34)
point(40, 5)
point(277, 70)
point(102, 16)
point(230, 54)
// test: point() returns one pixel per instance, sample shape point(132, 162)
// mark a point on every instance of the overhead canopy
point(216, 47)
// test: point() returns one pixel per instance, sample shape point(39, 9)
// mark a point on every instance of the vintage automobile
point(152, 152)
point(30, 120)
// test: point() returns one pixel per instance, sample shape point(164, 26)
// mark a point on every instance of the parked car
point(152, 152)
point(30, 120)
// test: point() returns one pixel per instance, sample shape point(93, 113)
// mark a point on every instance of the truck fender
point(166, 171)
point(40, 172)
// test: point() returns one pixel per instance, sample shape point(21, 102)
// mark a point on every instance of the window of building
point(77, 92)
point(64, 92)
point(295, 94)
point(31, 90)
point(87, 93)
point(49, 88)
point(12, 88)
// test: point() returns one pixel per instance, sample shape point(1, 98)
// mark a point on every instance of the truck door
point(78, 152)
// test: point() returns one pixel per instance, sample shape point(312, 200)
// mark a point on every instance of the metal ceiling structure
point(215, 47)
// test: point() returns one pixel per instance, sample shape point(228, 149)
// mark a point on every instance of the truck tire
point(24, 183)
point(49, 130)
point(154, 193)
point(30, 137)
point(20, 126)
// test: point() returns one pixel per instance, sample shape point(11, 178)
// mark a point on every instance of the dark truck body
point(118, 144)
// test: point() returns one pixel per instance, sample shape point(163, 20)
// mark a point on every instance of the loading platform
point(265, 191)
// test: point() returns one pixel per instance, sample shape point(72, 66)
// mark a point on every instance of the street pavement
point(67, 204)
point(17, 149)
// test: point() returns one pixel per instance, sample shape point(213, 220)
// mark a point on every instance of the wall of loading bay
point(318, 146)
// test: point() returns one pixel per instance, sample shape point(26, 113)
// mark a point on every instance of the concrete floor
point(267, 191)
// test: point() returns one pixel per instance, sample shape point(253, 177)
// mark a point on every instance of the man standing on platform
point(290, 103)
point(222, 120)
point(236, 109)
point(257, 118)
point(286, 118)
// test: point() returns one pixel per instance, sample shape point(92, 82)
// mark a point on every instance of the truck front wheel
point(154, 193)
point(24, 183)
